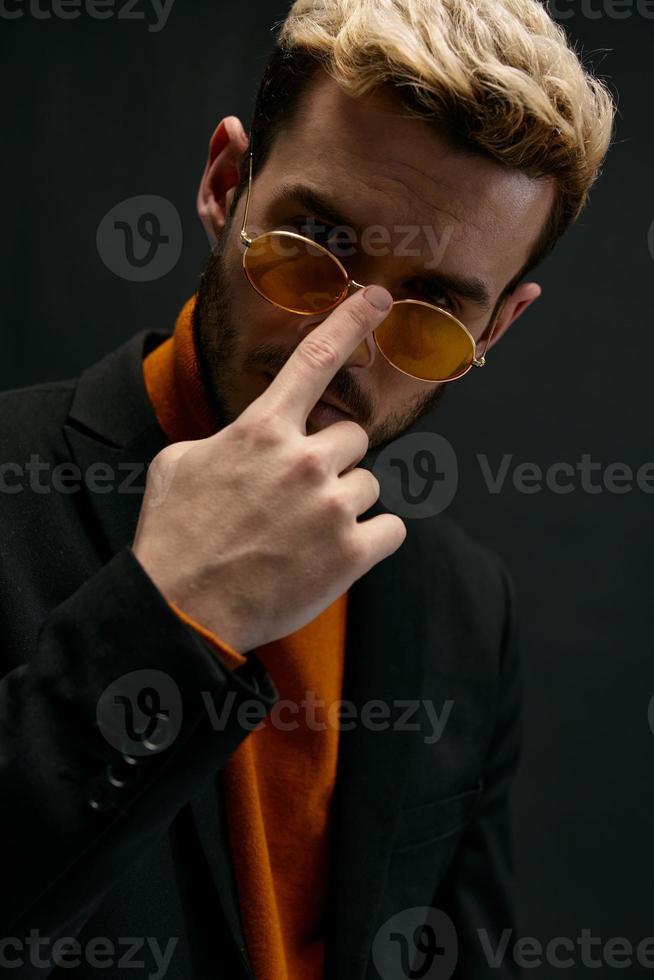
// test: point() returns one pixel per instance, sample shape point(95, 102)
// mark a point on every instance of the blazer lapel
point(112, 433)
point(384, 650)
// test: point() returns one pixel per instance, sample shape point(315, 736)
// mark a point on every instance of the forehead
point(388, 169)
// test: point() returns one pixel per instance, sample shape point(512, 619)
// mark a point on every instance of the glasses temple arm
point(481, 359)
point(244, 237)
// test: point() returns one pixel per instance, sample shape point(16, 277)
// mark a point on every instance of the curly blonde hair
point(498, 77)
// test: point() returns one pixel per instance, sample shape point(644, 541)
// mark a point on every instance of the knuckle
point(261, 430)
point(164, 471)
point(318, 352)
point(312, 464)
point(359, 314)
point(335, 506)
point(165, 459)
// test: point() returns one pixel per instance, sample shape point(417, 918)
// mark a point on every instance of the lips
point(328, 400)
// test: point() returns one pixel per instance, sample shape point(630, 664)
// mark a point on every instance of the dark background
point(95, 112)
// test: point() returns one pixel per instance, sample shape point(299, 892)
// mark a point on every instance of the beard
point(218, 351)
point(215, 339)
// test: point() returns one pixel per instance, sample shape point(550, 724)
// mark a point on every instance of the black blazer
point(125, 851)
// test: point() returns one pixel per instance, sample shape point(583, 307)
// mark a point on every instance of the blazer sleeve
point(478, 892)
point(120, 716)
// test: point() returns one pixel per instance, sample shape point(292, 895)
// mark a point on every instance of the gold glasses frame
point(247, 241)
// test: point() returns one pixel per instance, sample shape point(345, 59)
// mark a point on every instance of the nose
point(363, 355)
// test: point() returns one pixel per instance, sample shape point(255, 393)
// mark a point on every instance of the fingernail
point(378, 297)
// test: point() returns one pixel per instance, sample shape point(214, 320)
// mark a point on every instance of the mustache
point(343, 386)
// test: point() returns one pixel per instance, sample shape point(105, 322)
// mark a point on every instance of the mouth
point(327, 405)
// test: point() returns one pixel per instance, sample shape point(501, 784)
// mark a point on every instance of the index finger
point(315, 361)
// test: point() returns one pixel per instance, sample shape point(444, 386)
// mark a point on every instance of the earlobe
point(221, 174)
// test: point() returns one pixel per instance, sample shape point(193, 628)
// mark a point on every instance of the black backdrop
point(97, 111)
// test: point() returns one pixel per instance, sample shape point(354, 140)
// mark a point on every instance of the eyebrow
point(473, 289)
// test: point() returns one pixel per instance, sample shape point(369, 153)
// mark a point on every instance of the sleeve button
point(124, 772)
point(101, 796)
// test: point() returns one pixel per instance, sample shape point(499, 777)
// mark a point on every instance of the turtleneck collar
point(175, 386)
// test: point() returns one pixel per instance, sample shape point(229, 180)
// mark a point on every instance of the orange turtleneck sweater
point(279, 783)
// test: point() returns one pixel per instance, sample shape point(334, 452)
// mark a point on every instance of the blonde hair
point(498, 75)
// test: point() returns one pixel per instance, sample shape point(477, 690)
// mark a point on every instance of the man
point(160, 811)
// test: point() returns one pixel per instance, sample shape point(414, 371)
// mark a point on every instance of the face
point(400, 207)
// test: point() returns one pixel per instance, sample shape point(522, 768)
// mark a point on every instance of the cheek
point(256, 319)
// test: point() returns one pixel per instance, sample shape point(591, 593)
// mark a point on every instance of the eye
point(431, 292)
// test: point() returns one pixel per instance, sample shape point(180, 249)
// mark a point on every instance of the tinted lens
point(294, 273)
point(427, 343)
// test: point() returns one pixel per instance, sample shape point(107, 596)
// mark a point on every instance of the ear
point(515, 305)
point(221, 175)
